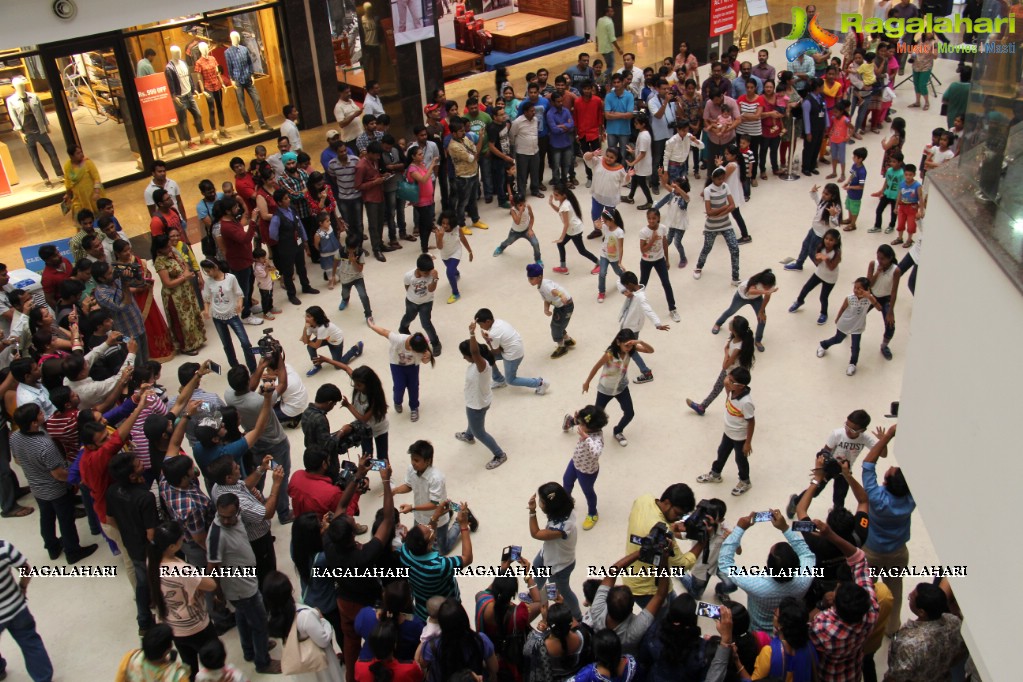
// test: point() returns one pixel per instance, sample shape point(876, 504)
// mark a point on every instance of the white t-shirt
point(734, 184)
point(361, 403)
point(168, 185)
point(332, 334)
point(549, 292)
point(738, 411)
point(611, 246)
point(575, 225)
point(854, 318)
point(884, 279)
point(478, 393)
point(504, 336)
point(451, 246)
point(398, 354)
point(824, 273)
point(849, 449)
point(295, 400)
point(523, 223)
point(654, 243)
point(418, 287)
point(223, 296)
point(733, 346)
point(645, 166)
point(939, 157)
point(560, 553)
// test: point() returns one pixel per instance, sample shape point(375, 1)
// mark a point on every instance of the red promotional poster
point(157, 104)
point(723, 15)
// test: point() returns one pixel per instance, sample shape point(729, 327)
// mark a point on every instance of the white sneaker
point(821, 350)
point(675, 317)
point(620, 437)
point(736, 282)
point(253, 320)
point(498, 384)
point(697, 274)
point(850, 370)
point(543, 387)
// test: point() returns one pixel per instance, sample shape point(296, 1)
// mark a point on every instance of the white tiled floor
point(88, 625)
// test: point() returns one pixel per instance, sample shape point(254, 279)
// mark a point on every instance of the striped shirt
point(38, 455)
point(344, 175)
point(12, 601)
point(747, 107)
point(430, 575)
point(717, 195)
point(63, 429)
point(252, 508)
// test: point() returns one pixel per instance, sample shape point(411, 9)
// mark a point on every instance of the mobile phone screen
point(761, 517)
point(377, 464)
point(454, 507)
point(706, 610)
point(515, 554)
point(803, 526)
point(215, 368)
point(552, 591)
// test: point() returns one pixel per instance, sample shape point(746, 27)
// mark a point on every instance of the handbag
point(408, 191)
point(301, 656)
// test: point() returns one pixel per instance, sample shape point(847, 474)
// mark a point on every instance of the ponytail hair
point(742, 332)
point(764, 277)
point(165, 535)
point(569, 195)
point(382, 641)
point(559, 625)
point(621, 337)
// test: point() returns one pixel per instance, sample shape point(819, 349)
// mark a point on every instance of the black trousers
point(43, 140)
point(289, 262)
point(215, 100)
point(59, 513)
point(188, 647)
point(812, 149)
point(266, 559)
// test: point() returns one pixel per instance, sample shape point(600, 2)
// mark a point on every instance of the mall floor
point(799, 398)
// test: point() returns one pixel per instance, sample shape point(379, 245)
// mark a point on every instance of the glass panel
point(347, 41)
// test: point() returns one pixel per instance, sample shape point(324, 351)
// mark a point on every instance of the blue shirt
point(579, 75)
point(739, 86)
point(560, 139)
point(275, 224)
point(808, 106)
point(626, 104)
point(239, 64)
point(122, 308)
point(204, 209)
point(205, 456)
point(857, 179)
point(889, 515)
point(909, 194)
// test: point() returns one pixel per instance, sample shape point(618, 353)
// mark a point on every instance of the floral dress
point(181, 305)
point(188, 256)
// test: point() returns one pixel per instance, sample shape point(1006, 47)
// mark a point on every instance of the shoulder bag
point(301, 656)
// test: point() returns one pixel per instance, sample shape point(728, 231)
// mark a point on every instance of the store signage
point(30, 255)
point(157, 104)
point(723, 15)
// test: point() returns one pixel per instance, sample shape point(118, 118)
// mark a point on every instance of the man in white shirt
point(525, 139)
point(294, 400)
point(348, 115)
point(90, 392)
point(159, 180)
point(630, 70)
point(289, 128)
point(372, 104)
point(661, 109)
point(27, 373)
point(507, 345)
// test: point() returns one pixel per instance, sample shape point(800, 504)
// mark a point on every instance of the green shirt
point(892, 179)
point(479, 125)
point(144, 68)
point(957, 96)
point(605, 35)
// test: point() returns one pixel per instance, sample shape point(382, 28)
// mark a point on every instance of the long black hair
point(621, 337)
point(279, 600)
point(764, 277)
point(382, 642)
point(503, 589)
point(742, 332)
point(559, 626)
point(306, 543)
point(607, 650)
point(458, 646)
point(557, 503)
point(569, 195)
point(319, 317)
point(680, 633)
point(464, 348)
point(165, 535)
point(420, 344)
point(375, 396)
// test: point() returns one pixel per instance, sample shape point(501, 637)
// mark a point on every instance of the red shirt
point(95, 470)
point(312, 493)
point(400, 672)
point(365, 172)
point(63, 429)
point(589, 117)
point(161, 223)
point(52, 277)
point(245, 186)
point(237, 244)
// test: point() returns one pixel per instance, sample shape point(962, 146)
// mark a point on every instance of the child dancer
point(910, 192)
point(749, 165)
point(828, 256)
point(224, 301)
point(676, 150)
point(675, 213)
point(612, 249)
point(735, 176)
point(838, 138)
point(738, 353)
point(653, 252)
point(738, 436)
point(642, 164)
point(326, 242)
point(635, 311)
point(756, 293)
point(263, 272)
point(556, 297)
point(563, 202)
point(719, 204)
point(420, 283)
point(854, 187)
point(450, 245)
point(585, 462)
point(406, 353)
point(614, 381)
point(319, 331)
point(350, 275)
point(521, 227)
point(851, 321)
point(478, 396)
point(609, 176)
point(884, 276)
point(828, 215)
point(889, 194)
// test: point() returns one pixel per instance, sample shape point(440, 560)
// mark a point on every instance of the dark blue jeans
point(809, 247)
point(727, 447)
point(562, 160)
point(360, 289)
point(251, 618)
point(142, 598)
point(562, 579)
point(351, 211)
point(22, 627)
point(406, 377)
point(738, 302)
point(586, 482)
point(245, 281)
point(839, 337)
point(425, 313)
point(625, 400)
point(8, 479)
point(336, 352)
point(52, 513)
point(476, 426)
point(451, 266)
point(235, 325)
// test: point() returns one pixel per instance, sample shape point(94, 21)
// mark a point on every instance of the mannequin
point(370, 43)
point(239, 68)
point(179, 78)
point(29, 121)
point(208, 76)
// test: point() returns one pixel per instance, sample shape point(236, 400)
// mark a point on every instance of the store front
point(114, 95)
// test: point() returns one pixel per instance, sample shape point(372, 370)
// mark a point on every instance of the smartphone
point(552, 591)
point(761, 517)
point(511, 553)
point(274, 465)
point(706, 610)
point(454, 507)
point(377, 464)
point(804, 527)
point(205, 407)
point(214, 367)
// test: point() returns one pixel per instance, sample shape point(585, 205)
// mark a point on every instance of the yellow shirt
point(866, 71)
point(645, 515)
point(885, 602)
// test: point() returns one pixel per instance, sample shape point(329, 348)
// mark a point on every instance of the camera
point(695, 524)
point(654, 544)
point(130, 273)
point(269, 347)
point(346, 474)
point(360, 432)
point(832, 468)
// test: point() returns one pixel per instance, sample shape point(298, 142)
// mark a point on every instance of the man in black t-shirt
point(499, 144)
point(132, 508)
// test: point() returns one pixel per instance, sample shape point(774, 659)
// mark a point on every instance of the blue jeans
point(351, 212)
point(360, 289)
point(839, 337)
point(245, 281)
point(281, 453)
point(336, 352)
point(406, 377)
point(22, 627)
point(562, 579)
point(477, 428)
point(562, 160)
point(609, 61)
point(235, 325)
point(511, 370)
point(618, 143)
point(696, 586)
point(738, 302)
point(602, 277)
point(451, 265)
point(675, 235)
point(251, 618)
point(637, 359)
point(446, 537)
point(586, 482)
point(498, 175)
point(514, 236)
point(811, 242)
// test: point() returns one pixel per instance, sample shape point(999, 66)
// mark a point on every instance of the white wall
point(36, 23)
point(958, 432)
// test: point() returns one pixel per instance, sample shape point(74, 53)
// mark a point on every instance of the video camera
point(653, 546)
point(832, 467)
point(130, 273)
point(343, 472)
point(696, 523)
point(269, 347)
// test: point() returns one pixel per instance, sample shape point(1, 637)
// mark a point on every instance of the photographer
point(696, 579)
point(295, 396)
point(115, 297)
point(612, 606)
point(764, 593)
point(675, 502)
point(98, 394)
point(210, 435)
point(368, 405)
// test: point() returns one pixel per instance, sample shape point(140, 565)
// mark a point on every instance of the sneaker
point(435, 350)
point(600, 298)
point(466, 230)
point(498, 251)
point(342, 305)
point(590, 521)
point(570, 343)
point(480, 225)
point(399, 408)
point(414, 415)
point(697, 273)
point(795, 306)
point(709, 477)
point(715, 329)
point(561, 270)
point(886, 352)
point(253, 320)
point(675, 317)
point(682, 263)
point(736, 282)
point(568, 422)
point(313, 371)
point(496, 462)
point(741, 487)
point(644, 207)
point(821, 350)
point(850, 370)
point(595, 270)
point(539, 262)
point(357, 351)
point(465, 437)
point(622, 440)
point(498, 384)
point(822, 319)
point(696, 407)
point(793, 266)
point(644, 378)
point(294, 300)
point(790, 508)
point(744, 240)
point(874, 230)
point(453, 297)
point(889, 229)
point(558, 352)
point(543, 387)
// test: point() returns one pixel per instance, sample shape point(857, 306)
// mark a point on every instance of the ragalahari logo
point(818, 39)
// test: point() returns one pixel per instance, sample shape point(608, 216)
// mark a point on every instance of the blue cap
point(534, 270)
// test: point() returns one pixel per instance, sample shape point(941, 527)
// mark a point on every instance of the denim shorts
point(838, 152)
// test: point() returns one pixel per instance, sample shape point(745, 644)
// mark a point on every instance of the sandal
point(926, 107)
point(897, 241)
point(763, 175)
point(759, 346)
point(849, 228)
point(914, 105)
point(908, 244)
point(18, 512)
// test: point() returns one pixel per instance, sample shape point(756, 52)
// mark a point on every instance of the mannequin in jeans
point(29, 121)
point(239, 69)
point(179, 78)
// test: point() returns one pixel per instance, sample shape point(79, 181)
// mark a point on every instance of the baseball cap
point(333, 134)
point(534, 270)
point(430, 107)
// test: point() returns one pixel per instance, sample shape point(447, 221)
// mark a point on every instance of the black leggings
point(628, 412)
point(810, 285)
point(879, 216)
point(188, 647)
point(743, 232)
point(215, 99)
point(640, 181)
point(576, 239)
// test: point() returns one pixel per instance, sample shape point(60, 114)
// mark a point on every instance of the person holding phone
point(505, 622)
point(559, 537)
point(612, 606)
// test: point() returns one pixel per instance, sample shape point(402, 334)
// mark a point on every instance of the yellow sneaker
point(590, 522)
point(466, 230)
point(453, 297)
point(481, 225)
